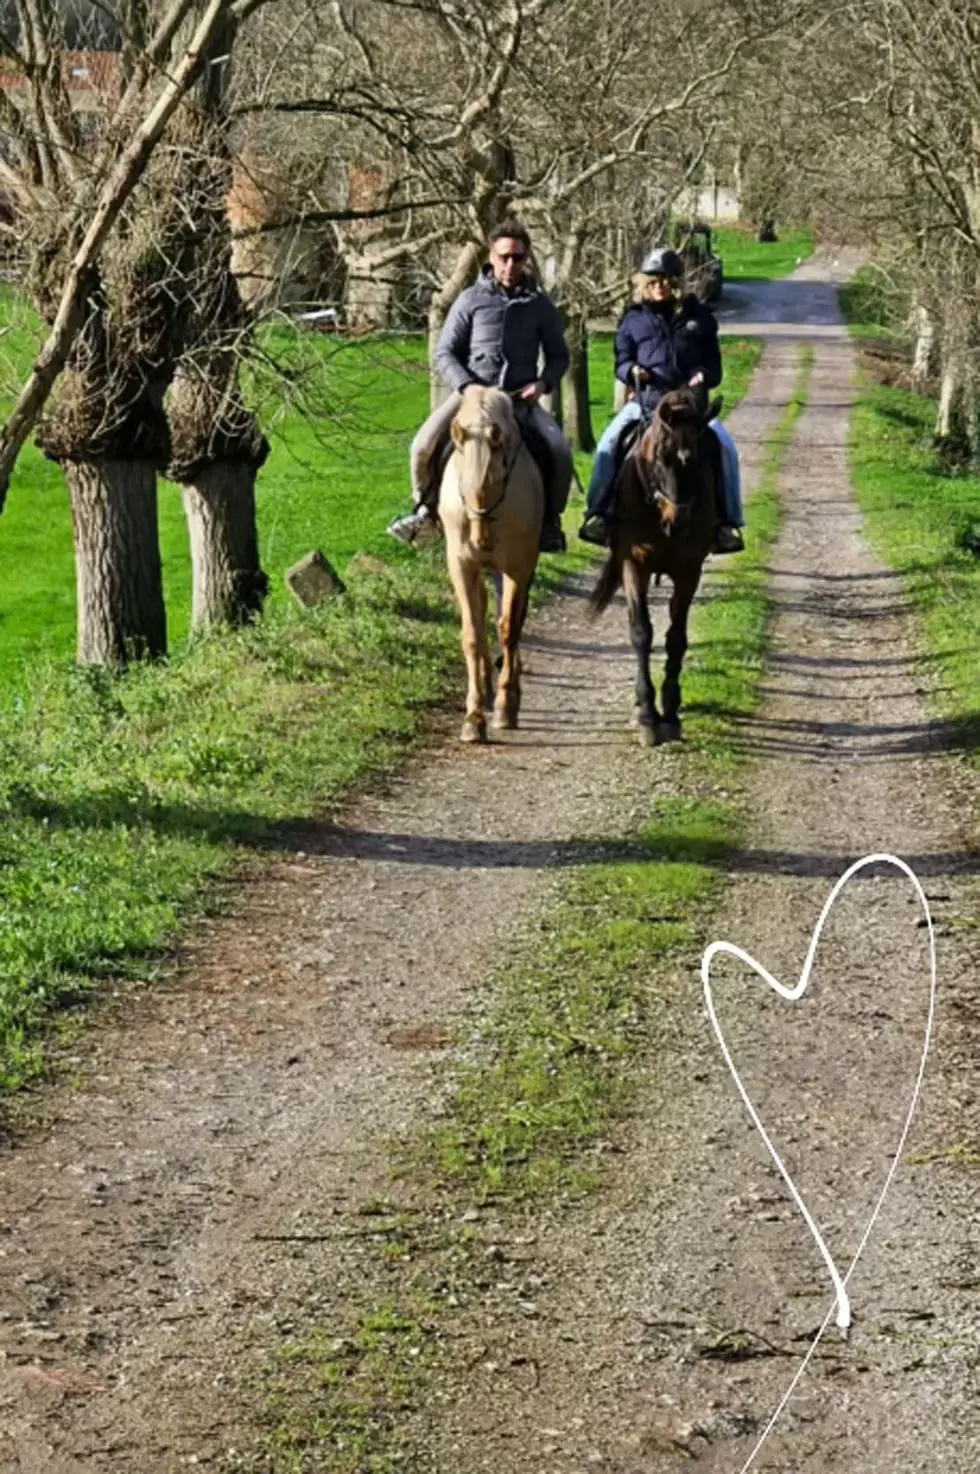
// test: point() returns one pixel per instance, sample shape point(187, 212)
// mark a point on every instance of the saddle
point(628, 441)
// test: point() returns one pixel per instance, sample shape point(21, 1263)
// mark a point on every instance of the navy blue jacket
point(671, 346)
point(496, 338)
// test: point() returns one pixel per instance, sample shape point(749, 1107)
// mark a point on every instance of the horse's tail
point(609, 581)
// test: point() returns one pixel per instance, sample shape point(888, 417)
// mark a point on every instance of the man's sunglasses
point(511, 255)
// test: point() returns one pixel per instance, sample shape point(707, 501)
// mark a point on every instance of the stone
point(313, 581)
point(368, 563)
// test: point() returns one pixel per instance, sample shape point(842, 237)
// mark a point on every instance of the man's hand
point(696, 380)
point(639, 375)
point(533, 392)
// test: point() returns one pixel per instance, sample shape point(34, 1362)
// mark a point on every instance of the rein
point(653, 494)
point(486, 513)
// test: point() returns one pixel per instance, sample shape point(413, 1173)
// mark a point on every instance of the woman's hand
point(696, 380)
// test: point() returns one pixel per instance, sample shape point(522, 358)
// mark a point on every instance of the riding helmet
point(662, 262)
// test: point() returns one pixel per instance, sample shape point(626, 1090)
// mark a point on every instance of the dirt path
point(243, 1104)
point(139, 1223)
point(678, 1306)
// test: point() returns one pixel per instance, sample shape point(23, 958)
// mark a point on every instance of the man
point(664, 342)
point(496, 334)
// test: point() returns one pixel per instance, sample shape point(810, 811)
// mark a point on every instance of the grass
point(336, 476)
point(577, 1006)
point(123, 799)
point(921, 515)
point(918, 515)
point(746, 259)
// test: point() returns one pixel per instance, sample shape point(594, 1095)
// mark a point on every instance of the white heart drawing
point(841, 1300)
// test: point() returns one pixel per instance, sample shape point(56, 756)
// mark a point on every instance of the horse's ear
point(666, 411)
point(714, 408)
point(496, 434)
point(457, 432)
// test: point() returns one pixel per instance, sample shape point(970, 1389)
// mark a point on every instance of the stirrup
point(595, 530)
point(552, 538)
point(728, 540)
point(408, 528)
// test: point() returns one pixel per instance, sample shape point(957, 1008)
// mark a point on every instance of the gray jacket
point(493, 338)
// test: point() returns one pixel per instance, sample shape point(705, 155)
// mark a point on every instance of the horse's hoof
point(504, 720)
point(648, 734)
point(473, 731)
point(668, 732)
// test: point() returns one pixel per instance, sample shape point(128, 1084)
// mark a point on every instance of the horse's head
point(677, 467)
point(486, 436)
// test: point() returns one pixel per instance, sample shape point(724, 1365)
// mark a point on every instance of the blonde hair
point(641, 283)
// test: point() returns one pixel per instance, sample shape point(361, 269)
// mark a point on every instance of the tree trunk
point(462, 275)
point(217, 452)
point(370, 293)
point(577, 412)
point(738, 173)
point(229, 585)
point(971, 398)
point(948, 416)
point(121, 613)
point(925, 343)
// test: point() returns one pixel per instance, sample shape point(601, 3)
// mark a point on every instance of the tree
point(114, 337)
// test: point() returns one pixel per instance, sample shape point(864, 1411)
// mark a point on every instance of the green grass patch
point(121, 799)
point(340, 423)
point(553, 1071)
point(922, 517)
point(578, 1003)
point(746, 259)
point(344, 1397)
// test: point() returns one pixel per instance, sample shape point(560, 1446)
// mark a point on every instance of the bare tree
point(100, 208)
point(216, 445)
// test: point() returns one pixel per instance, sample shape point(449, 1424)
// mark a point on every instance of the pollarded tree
point(216, 445)
point(98, 210)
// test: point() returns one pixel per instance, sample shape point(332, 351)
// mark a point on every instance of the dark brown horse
point(666, 500)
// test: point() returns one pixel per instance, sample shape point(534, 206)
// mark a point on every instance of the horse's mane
point(487, 407)
point(676, 411)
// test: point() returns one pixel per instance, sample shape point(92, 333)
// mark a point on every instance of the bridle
point(486, 514)
point(653, 494)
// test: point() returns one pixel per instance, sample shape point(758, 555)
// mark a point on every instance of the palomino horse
point(491, 505)
point(665, 524)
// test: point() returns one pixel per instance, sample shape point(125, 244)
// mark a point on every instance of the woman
point(663, 342)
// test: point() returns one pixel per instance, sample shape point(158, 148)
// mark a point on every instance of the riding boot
point(552, 536)
point(410, 527)
point(728, 539)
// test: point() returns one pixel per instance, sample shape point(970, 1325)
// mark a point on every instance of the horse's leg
point(497, 579)
point(471, 593)
point(685, 587)
point(636, 583)
point(510, 623)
